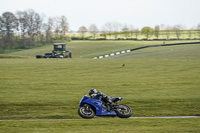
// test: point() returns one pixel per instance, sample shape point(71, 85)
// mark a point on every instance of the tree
point(131, 30)
point(93, 30)
point(30, 25)
point(147, 31)
point(157, 31)
point(168, 30)
point(1, 45)
point(177, 30)
point(8, 24)
point(82, 30)
point(162, 27)
point(1, 27)
point(190, 32)
point(49, 28)
point(125, 30)
point(137, 32)
point(107, 28)
point(57, 29)
point(104, 32)
point(63, 26)
point(198, 29)
point(116, 27)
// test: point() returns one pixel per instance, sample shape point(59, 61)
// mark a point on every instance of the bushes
point(79, 38)
point(131, 39)
point(101, 39)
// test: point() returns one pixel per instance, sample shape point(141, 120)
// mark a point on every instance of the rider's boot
point(108, 107)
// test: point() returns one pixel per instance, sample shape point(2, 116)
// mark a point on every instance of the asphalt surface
point(166, 117)
point(160, 117)
point(150, 46)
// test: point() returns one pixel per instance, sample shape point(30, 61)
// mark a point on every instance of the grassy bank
point(158, 82)
point(90, 49)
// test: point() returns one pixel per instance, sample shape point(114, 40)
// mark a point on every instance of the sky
point(138, 13)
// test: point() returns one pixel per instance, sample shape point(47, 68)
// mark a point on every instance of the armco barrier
point(165, 45)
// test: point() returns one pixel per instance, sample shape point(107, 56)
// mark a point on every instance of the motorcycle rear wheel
point(87, 114)
point(124, 111)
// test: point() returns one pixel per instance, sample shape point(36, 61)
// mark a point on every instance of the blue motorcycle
point(90, 107)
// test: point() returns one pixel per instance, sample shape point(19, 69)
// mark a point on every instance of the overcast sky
point(138, 13)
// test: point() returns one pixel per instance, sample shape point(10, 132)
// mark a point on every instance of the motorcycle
point(90, 107)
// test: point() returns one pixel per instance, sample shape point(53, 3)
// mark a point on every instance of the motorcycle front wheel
point(86, 112)
point(124, 111)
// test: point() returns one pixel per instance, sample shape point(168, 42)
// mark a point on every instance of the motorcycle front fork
point(87, 107)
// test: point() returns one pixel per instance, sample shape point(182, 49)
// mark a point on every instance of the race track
point(159, 117)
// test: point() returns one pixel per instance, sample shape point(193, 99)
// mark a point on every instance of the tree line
point(27, 29)
point(117, 31)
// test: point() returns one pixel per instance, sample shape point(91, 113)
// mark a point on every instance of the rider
point(100, 96)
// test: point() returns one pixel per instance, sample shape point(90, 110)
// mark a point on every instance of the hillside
point(90, 49)
point(157, 81)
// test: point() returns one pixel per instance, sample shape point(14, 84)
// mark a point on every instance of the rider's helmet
point(92, 91)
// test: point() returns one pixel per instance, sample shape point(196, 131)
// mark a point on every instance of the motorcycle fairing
point(100, 111)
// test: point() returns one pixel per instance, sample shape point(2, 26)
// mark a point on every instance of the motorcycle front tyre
point(84, 114)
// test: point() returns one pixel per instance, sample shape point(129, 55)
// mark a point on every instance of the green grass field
point(90, 49)
point(160, 81)
point(103, 125)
